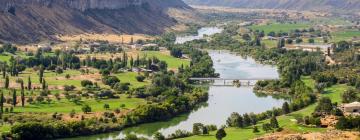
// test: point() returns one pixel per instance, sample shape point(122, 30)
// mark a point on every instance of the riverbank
point(222, 100)
point(287, 122)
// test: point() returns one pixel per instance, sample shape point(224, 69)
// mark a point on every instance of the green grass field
point(277, 27)
point(5, 58)
point(130, 77)
point(288, 122)
point(65, 106)
point(173, 63)
point(270, 43)
point(344, 35)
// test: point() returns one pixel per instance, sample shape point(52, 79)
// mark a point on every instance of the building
point(351, 108)
point(325, 48)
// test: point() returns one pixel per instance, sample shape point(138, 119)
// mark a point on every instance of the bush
point(140, 78)
point(86, 83)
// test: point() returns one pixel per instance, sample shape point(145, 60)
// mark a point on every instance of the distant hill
point(327, 5)
point(25, 21)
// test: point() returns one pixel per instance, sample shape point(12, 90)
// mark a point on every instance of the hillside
point(33, 20)
point(327, 5)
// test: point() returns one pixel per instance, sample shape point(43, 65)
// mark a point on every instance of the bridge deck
point(225, 79)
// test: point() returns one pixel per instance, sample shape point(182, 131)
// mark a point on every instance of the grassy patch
point(277, 27)
point(270, 43)
point(344, 35)
point(5, 58)
point(65, 106)
point(130, 77)
point(173, 63)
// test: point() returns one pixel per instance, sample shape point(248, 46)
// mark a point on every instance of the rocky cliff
point(323, 5)
point(25, 21)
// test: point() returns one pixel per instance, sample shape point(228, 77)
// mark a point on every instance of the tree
point(289, 41)
point(2, 100)
point(349, 95)
point(106, 106)
point(3, 70)
point(43, 84)
point(273, 122)
point(235, 120)
point(29, 83)
point(131, 62)
point(255, 129)
point(324, 106)
point(205, 131)
point(247, 120)
point(246, 37)
point(281, 43)
point(72, 113)
point(285, 108)
point(311, 40)
point(22, 98)
point(41, 73)
point(266, 127)
point(14, 98)
point(159, 136)
point(86, 109)
point(220, 134)
point(140, 78)
point(197, 127)
point(298, 40)
point(67, 76)
point(7, 82)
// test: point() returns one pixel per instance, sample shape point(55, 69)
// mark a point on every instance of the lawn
point(130, 77)
point(5, 58)
point(173, 63)
point(57, 80)
point(344, 35)
point(277, 27)
point(288, 122)
point(65, 106)
point(270, 43)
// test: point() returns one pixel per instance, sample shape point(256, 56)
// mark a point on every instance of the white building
point(351, 108)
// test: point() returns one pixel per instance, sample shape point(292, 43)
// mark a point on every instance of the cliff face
point(25, 21)
point(324, 5)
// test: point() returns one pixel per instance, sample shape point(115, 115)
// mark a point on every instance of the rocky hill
point(25, 21)
point(326, 5)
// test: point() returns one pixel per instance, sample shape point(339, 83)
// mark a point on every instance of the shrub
point(140, 78)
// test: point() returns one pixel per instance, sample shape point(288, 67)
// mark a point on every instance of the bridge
point(232, 81)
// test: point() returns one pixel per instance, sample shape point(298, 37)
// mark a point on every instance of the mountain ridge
point(35, 20)
point(322, 5)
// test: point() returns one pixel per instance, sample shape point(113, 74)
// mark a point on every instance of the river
point(201, 34)
point(223, 100)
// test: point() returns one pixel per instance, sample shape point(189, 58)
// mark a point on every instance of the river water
point(201, 34)
point(223, 100)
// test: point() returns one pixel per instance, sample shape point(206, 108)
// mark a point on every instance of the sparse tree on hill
point(43, 84)
point(7, 82)
point(14, 98)
point(2, 100)
point(220, 134)
point(41, 74)
point(285, 108)
point(22, 98)
point(86, 109)
point(29, 83)
point(159, 136)
point(4, 70)
point(273, 122)
point(131, 62)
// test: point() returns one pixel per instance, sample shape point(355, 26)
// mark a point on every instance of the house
point(136, 46)
point(325, 48)
point(351, 108)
